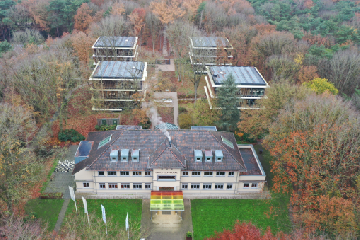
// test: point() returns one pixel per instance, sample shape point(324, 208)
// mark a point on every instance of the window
point(147, 173)
point(195, 173)
point(124, 173)
point(218, 159)
point(208, 159)
point(104, 141)
point(219, 186)
point(208, 173)
point(147, 185)
point(137, 186)
point(220, 173)
point(136, 173)
point(231, 174)
point(184, 186)
point(185, 173)
point(86, 184)
point(227, 142)
point(101, 173)
point(229, 186)
point(102, 185)
point(254, 185)
point(125, 186)
point(198, 159)
point(195, 186)
point(207, 186)
point(113, 185)
point(166, 178)
point(246, 185)
point(112, 173)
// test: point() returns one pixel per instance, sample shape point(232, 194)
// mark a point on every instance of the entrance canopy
point(166, 201)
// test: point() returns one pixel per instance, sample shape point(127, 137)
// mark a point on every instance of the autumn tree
point(315, 142)
point(167, 10)
point(19, 168)
point(284, 68)
point(110, 26)
point(256, 123)
point(320, 85)
point(203, 115)
point(117, 9)
point(307, 73)
point(83, 17)
point(137, 20)
point(29, 36)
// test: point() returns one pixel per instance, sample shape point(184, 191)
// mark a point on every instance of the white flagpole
point(72, 195)
point(85, 209)
point(127, 224)
point(104, 216)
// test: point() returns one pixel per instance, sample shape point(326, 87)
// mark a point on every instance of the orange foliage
point(38, 11)
point(82, 43)
point(192, 5)
point(307, 73)
point(316, 39)
point(308, 4)
point(167, 11)
point(117, 9)
point(137, 18)
point(98, 2)
point(83, 18)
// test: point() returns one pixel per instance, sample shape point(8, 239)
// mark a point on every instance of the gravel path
point(61, 215)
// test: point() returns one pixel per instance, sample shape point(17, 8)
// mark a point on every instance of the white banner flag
point(127, 221)
point(72, 195)
point(85, 205)
point(103, 213)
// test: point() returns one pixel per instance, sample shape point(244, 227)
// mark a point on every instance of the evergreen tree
point(226, 101)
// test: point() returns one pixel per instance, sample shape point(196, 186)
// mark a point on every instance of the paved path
point(61, 215)
point(166, 230)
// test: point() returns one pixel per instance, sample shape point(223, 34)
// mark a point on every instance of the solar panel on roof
point(119, 69)
point(242, 75)
point(115, 42)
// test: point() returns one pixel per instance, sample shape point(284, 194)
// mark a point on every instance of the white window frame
point(185, 184)
point(137, 184)
point(249, 184)
point(218, 159)
point(111, 174)
point(122, 184)
point(137, 173)
point(232, 175)
point(256, 185)
point(219, 184)
point(218, 174)
point(111, 184)
point(229, 184)
point(207, 184)
point(86, 185)
point(208, 159)
point(102, 174)
point(122, 173)
point(148, 173)
point(197, 184)
point(185, 175)
point(193, 175)
point(210, 175)
point(149, 188)
point(198, 159)
point(102, 184)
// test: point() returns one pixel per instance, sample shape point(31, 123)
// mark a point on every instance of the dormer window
point(218, 156)
point(124, 155)
point(135, 154)
point(198, 155)
point(114, 154)
point(208, 155)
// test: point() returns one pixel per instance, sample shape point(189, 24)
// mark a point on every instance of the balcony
point(118, 85)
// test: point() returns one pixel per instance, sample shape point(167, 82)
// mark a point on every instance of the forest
point(307, 50)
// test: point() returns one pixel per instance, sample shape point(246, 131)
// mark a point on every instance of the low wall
point(112, 196)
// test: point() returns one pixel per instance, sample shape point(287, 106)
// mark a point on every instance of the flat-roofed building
point(115, 49)
point(209, 51)
point(250, 83)
point(115, 82)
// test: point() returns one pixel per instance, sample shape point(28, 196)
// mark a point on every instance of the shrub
point(70, 135)
point(105, 127)
point(145, 124)
point(182, 110)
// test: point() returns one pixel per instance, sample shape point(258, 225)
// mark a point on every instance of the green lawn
point(117, 208)
point(210, 215)
point(45, 209)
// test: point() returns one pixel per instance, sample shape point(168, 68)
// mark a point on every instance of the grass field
point(210, 215)
point(116, 208)
point(45, 209)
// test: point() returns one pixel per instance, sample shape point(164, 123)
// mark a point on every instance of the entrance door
point(166, 188)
